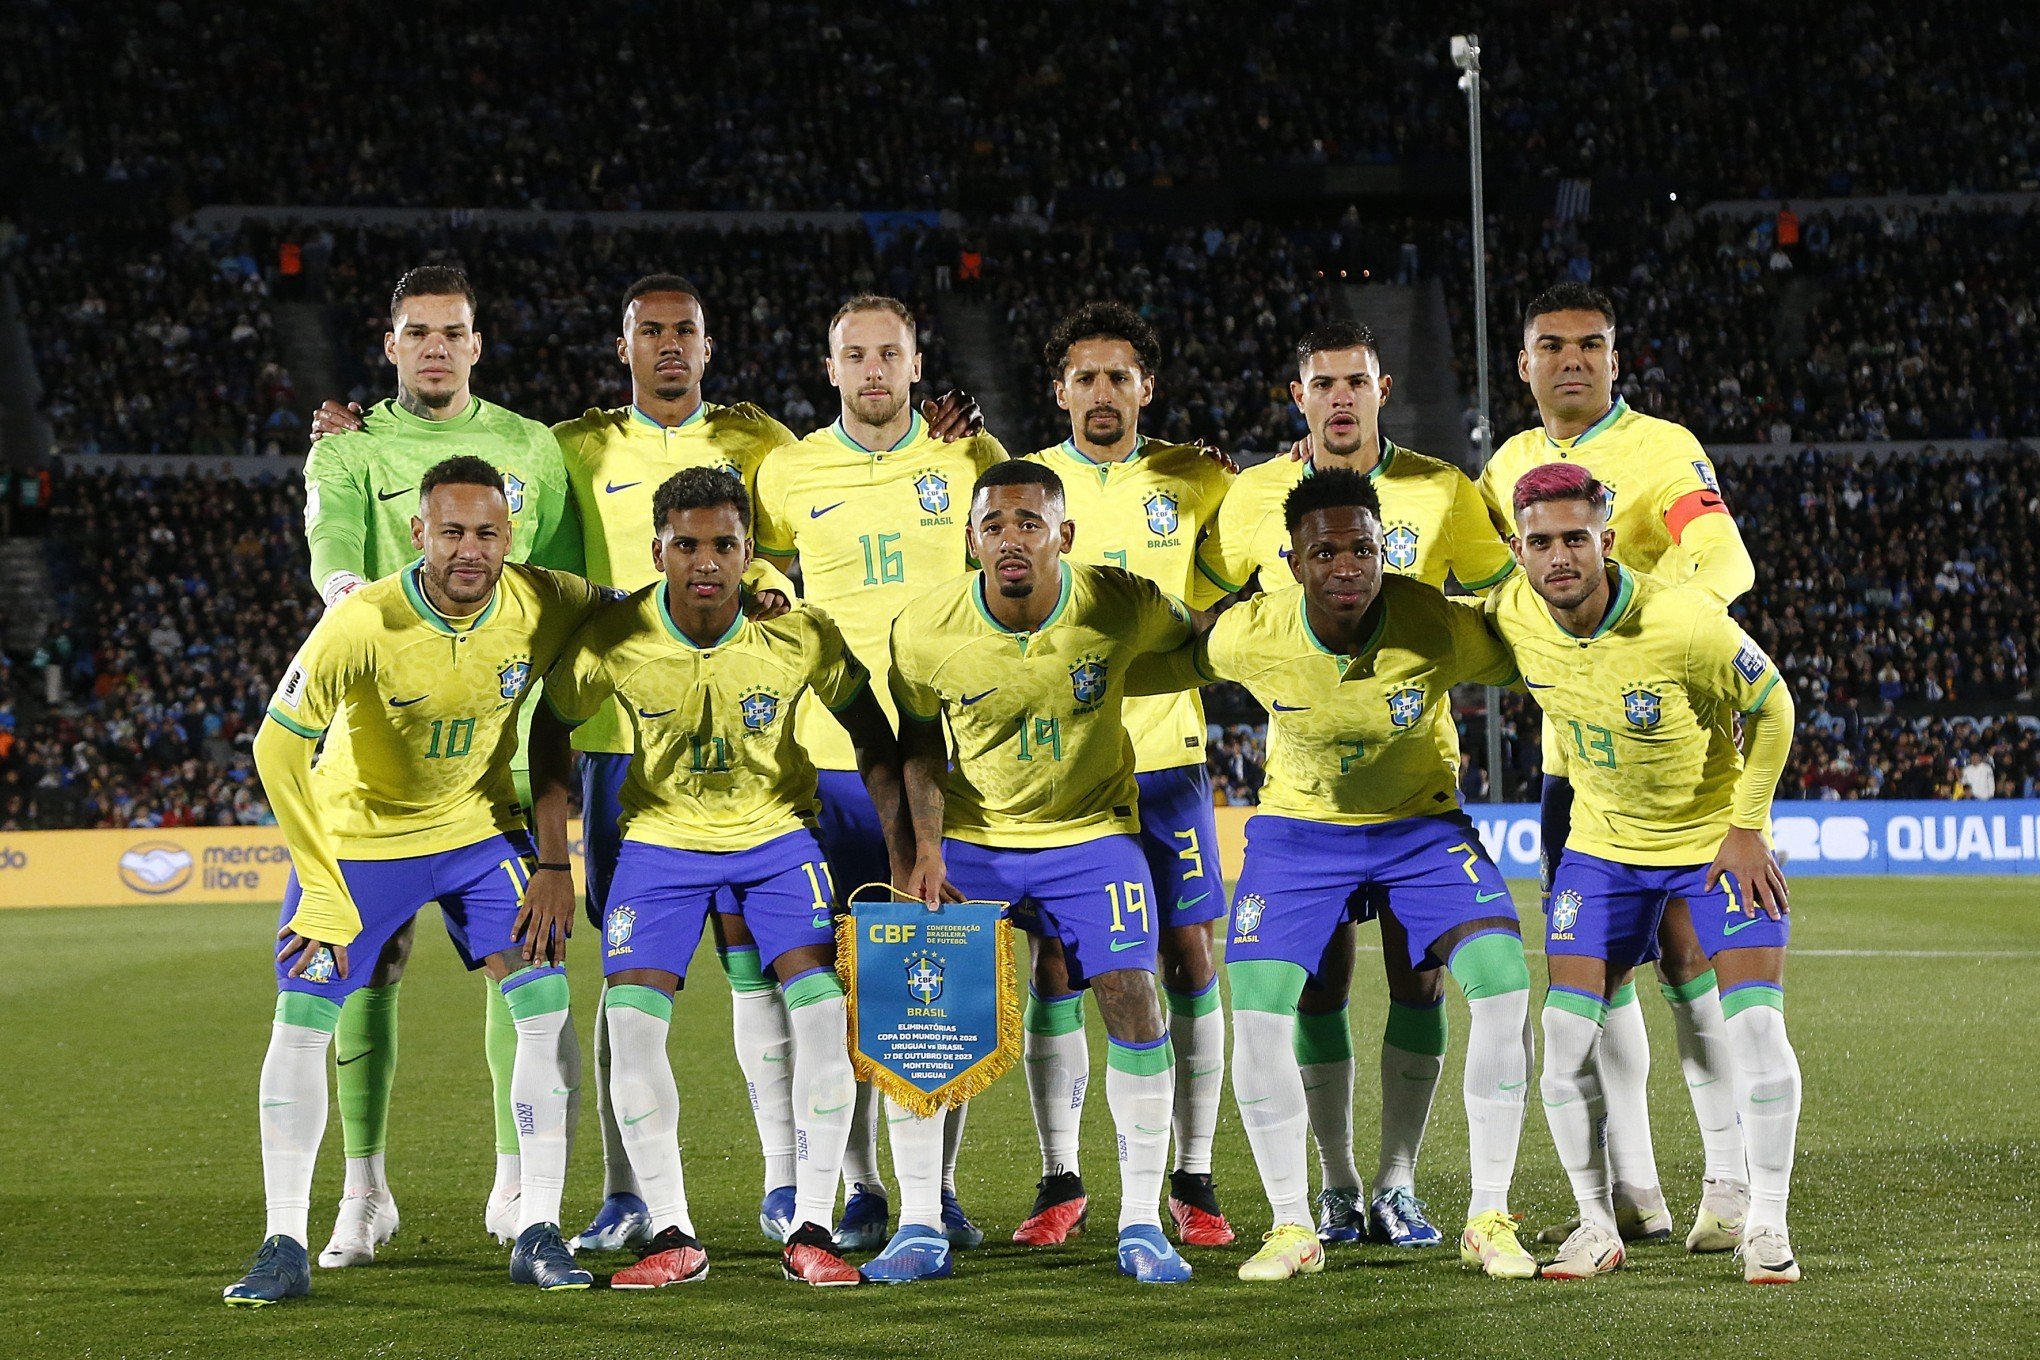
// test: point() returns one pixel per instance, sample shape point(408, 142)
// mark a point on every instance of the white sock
point(509, 1175)
point(366, 1173)
point(1409, 1085)
point(1625, 1086)
point(1497, 1082)
point(824, 1089)
point(1197, 1030)
point(952, 1143)
point(1770, 1110)
point(642, 1089)
point(1141, 1103)
point(542, 1083)
point(617, 1177)
point(1323, 1050)
point(1058, 1071)
point(917, 1164)
point(764, 1043)
point(1711, 1079)
point(1269, 1087)
point(1576, 1111)
point(292, 1104)
point(860, 1153)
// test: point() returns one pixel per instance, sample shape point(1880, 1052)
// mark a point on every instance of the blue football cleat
point(1396, 1217)
point(916, 1252)
point(1340, 1218)
point(622, 1221)
point(280, 1271)
point(541, 1258)
point(864, 1217)
point(1147, 1256)
point(775, 1214)
point(956, 1226)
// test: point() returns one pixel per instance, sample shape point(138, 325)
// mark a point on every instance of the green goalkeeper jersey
point(361, 489)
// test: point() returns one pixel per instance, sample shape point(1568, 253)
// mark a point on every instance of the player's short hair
point(463, 469)
point(432, 280)
point(1103, 321)
point(1018, 472)
point(701, 488)
point(1559, 482)
point(660, 283)
point(877, 302)
point(1569, 297)
point(1336, 335)
point(1329, 489)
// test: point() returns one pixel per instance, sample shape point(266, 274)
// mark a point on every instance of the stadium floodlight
point(1466, 56)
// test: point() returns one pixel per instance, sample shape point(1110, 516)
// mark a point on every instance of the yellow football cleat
point(1718, 1223)
point(1489, 1241)
point(1290, 1249)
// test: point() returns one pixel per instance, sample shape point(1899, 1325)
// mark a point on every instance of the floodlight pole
point(1466, 56)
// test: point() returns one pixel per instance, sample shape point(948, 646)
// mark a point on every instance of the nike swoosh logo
point(274, 1104)
point(818, 511)
point(1121, 946)
point(1314, 1085)
point(392, 495)
point(1291, 708)
point(1765, 1100)
point(1556, 1104)
point(642, 713)
point(1258, 1101)
point(1743, 924)
point(1512, 1085)
point(821, 921)
point(612, 488)
point(1419, 1076)
point(406, 703)
point(970, 699)
point(342, 1062)
point(1191, 901)
point(1489, 897)
point(1534, 685)
point(1197, 1072)
point(770, 1058)
point(1696, 1085)
point(832, 1108)
point(563, 1091)
point(1142, 1128)
point(632, 1122)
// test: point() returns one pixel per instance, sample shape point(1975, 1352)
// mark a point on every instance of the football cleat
point(1396, 1217)
point(916, 1252)
point(541, 1258)
point(1489, 1241)
point(1289, 1249)
point(622, 1221)
point(864, 1216)
point(775, 1213)
point(279, 1271)
point(1718, 1223)
point(1060, 1208)
point(500, 1215)
point(1766, 1258)
point(673, 1257)
point(956, 1225)
point(1147, 1256)
point(368, 1218)
point(1193, 1204)
point(810, 1257)
point(1591, 1250)
point(1638, 1223)
point(1340, 1217)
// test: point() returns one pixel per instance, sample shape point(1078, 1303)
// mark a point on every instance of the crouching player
point(1641, 681)
point(720, 803)
point(415, 683)
point(1356, 670)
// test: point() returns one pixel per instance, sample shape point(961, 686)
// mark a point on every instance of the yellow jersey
point(1433, 524)
point(1642, 709)
point(716, 765)
point(616, 460)
point(1147, 515)
point(419, 711)
point(873, 529)
point(1040, 752)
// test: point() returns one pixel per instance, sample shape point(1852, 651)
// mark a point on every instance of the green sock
point(366, 1044)
point(499, 1041)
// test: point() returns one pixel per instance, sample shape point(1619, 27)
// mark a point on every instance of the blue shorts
point(1094, 897)
point(602, 776)
point(1179, 836)
point(1303, 879)
point(849, 831)
point(660, 899)
point(478, 887)
point(1719, 922)
point(1603, 909)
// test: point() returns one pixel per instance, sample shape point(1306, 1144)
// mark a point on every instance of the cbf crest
point(616, 930)
point(513, 491)
point(758, 708)
point(932, 488)
point(1162, 515)
point(1406, 706)
point(1399, 547)
point(924, 977)
point(512, 679)
point(1088, 680)
point(322, 968)
point(1565, 913)
point(1247, 916)
point(1642, 708)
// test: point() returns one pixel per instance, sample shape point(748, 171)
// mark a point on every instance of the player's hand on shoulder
point(545, 918)
point(306, 951)
point(1216, 455)
point(339, 586)
point(952, 416)
point(334, 418)
point(1302, 450)
point(1758, 875)
point(765, 605)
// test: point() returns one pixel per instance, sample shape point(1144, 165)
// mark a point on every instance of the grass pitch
point(130, 1190)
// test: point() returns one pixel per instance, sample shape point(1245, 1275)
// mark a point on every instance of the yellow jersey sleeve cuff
point(771, 549)
point(1208, 574)
point(291, 725)
point(1762, 695)
point(1494, 580)
point(912, 716)
point(545, 697)
point(863, 684)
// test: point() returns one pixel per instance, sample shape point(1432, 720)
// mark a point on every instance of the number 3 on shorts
point(1128, 899)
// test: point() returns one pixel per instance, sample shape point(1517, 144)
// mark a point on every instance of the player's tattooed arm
point(545, 918)
point(952, 416)
point(1767, 744)
point(880, 766)
point(924, 751)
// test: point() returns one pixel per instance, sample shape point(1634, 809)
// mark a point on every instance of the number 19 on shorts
point(1128, 899)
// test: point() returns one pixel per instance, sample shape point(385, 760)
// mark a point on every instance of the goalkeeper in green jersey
point(361, 493)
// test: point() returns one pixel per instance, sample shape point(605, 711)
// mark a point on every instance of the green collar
point(414, 591)
point(1625, 595)
point(1062, 600)
point(673, 629)
point(640, 418)
point(417, 422)
point(1615, 412)
point(1380, 624)
point(915, 428)
point(1069, 447)
point(1373, 473)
